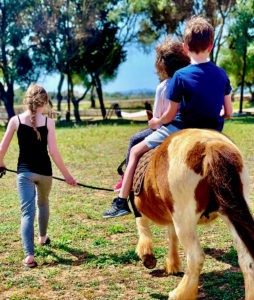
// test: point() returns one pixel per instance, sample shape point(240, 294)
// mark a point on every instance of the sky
point(137, 72)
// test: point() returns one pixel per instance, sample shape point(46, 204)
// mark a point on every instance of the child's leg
point(44, 184)
point(120, 206)
point(135, 154)
point(135, 139)
point(159, 135)
point(150, 142)
point(27, 194)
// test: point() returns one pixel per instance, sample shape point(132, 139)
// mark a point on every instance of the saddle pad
point(140, 172)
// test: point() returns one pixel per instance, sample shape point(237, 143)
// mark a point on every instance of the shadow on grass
point(224, 285)
point(159, 296)
point(215, 285)
point(245, 118)
point(84, 257)
point(162, 273)
point(80, 255)
point(228, 257)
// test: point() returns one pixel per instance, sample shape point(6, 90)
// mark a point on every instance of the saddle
point(140, 172)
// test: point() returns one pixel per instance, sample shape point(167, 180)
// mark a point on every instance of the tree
point(234, 70)
point(241, 38)
point(160, 17)
point(79, 38)
point(54, 28)
point(102, 55)
point(218, 13)
point(16, 64)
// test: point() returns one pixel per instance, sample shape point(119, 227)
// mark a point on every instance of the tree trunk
point(74, 101)
point(68, 113)
point(59, 96)
point(242, 80)
point(100, 95)
point(76, 110)
point(8, 99)
point(92, 98)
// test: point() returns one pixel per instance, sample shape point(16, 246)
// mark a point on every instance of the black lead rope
point(3, 172)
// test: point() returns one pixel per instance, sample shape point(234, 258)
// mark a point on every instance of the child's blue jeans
point(33, 188)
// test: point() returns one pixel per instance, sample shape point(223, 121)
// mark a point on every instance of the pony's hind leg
point(172, 262)
point(185, 222)
point(144, 247)
point(246, 262)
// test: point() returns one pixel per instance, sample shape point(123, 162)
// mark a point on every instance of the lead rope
point(3, 172)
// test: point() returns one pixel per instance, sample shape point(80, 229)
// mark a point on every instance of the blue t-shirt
point(200, 90)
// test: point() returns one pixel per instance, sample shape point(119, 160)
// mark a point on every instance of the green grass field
point(94, 258)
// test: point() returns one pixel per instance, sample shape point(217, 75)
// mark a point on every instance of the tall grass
point(94, 258)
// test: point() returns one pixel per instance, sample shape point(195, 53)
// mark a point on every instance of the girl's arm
point(4, 145)
point(55, 154)
point(166, 118)
point(160, 100)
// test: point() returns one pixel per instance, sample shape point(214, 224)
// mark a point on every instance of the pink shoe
point(118, 186)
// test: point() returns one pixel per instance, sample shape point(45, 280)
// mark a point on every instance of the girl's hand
point(70, 180)
point(2, 169)
point(154, 123)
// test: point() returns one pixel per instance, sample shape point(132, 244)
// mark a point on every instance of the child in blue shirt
point(199, 97)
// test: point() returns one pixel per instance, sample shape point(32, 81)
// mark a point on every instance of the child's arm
point(7, 139)
point(55, 154)
point(227, 106)
point(166, 118)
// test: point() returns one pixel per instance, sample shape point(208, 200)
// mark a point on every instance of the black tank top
point(33, 153)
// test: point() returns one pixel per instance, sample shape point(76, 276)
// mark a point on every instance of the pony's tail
point(222, 167)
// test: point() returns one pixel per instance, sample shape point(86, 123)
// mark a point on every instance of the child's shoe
point(118, 208)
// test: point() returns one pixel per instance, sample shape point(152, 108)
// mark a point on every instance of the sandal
point(32, 264)
point(47, 242)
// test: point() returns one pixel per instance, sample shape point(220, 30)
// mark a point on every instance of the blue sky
point(137, 72)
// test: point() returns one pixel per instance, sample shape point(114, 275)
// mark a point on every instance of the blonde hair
point(170, 57)
point(35, 97)
point(198, 34)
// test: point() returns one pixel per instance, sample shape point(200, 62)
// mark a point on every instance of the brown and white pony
point(195, 175)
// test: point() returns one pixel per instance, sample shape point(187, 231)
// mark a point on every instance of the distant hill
point(131, 94)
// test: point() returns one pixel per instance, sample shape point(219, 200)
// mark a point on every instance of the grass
point(93, 258)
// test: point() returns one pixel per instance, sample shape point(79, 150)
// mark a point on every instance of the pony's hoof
point(150, 261)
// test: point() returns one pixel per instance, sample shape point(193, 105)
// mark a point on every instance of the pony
point(193, 177)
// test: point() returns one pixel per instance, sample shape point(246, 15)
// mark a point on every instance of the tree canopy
point(16, 56)
point(85, 41)
point(241, 48)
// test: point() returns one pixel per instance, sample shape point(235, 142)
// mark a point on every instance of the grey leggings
point(32, 187)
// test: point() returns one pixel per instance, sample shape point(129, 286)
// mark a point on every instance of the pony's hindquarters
point(229, 182)
point(194, 173)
